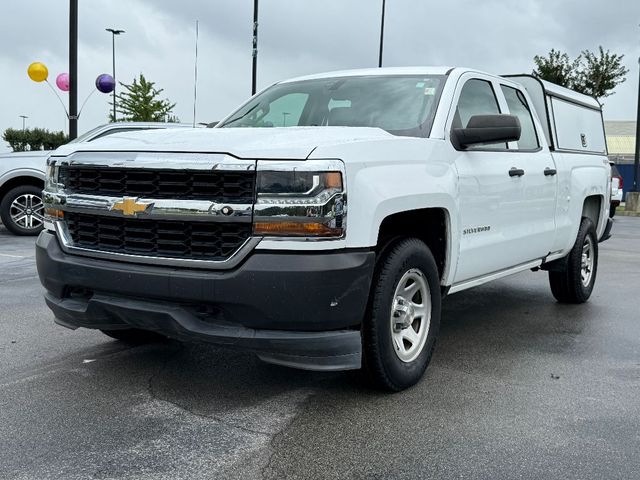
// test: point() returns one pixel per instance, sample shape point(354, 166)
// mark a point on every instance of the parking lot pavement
point(519, 387)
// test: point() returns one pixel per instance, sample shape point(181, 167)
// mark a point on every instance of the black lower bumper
point(300, 310)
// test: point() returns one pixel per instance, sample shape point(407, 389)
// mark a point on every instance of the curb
point(624, 213)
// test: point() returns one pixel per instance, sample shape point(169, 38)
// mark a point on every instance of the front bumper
point(301, 310)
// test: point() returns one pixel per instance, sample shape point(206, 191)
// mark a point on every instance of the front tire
point(575, 283)
point(22, 210)
point(403, 317)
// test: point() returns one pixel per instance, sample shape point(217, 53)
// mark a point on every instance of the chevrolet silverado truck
point(321, 224)
point(22, 178)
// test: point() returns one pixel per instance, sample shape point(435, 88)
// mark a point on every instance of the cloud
point(295, 38)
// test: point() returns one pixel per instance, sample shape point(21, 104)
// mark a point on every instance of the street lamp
point(23, 117)
point(114, 32)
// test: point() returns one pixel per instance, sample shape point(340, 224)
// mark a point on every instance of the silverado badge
point(130, 206)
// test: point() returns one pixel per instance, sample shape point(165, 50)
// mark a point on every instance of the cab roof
point(374, 71)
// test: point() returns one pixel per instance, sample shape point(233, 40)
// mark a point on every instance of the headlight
point(300, 199)
point(51, 180)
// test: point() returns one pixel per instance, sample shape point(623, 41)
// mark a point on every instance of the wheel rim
point(26, 211)
point(587, 262)
point(410, 315)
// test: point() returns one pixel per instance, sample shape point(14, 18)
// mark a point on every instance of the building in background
point(621, 145)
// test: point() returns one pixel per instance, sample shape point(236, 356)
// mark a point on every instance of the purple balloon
point(105, 83)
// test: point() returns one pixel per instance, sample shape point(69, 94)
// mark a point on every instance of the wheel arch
point(19, 178)
point(592, 208)
point(420, 223)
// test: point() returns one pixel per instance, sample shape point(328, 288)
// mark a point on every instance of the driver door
point(490, 200)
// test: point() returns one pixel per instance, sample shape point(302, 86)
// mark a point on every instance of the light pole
point(114, 32)
point(73, 69)
point(24, 118)
point(255, 47)
point(381, 34)
point(636, 163)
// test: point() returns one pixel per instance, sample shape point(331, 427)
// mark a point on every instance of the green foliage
point(140, 103)
point(33, 139)
point(595, 74)
point(602, 73)
point(557, 68)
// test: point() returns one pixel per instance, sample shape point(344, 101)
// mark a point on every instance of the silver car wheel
point(27, 211)
point(587, 261)
point(410, 315)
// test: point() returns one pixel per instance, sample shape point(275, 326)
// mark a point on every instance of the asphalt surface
point(519, 387)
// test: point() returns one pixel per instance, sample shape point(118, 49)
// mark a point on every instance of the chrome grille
point(215, 241)
point(235, 187)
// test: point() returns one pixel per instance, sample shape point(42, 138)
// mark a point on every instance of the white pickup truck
point(321, 223)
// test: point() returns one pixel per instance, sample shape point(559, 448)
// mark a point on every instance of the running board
point(474, 282)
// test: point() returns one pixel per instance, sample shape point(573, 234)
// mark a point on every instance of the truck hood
point(259, 143)
point(21, 155)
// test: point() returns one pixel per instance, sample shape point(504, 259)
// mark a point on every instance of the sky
point(296, 37)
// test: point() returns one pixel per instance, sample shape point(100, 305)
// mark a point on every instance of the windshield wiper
point(240, 117)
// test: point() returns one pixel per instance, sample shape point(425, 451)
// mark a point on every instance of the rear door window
point(518, 106)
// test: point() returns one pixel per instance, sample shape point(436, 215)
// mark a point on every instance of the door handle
point(550, 171)
point(516, 172)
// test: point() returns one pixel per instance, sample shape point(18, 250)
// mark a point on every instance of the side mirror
point(483, 129)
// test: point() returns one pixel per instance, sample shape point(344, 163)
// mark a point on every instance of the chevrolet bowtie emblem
point(130, 206)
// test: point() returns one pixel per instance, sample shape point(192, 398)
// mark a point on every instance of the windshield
point(401, 105)
point(87, 135)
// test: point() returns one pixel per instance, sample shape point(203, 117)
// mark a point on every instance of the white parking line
point(11, 256)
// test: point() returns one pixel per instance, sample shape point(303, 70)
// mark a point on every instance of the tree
point(602, 73)
point(33, 139)
point(140, 103)
point(557, 68)
point(595, 74)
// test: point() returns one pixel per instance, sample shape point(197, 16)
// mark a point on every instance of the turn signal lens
point(295, 229)
point(333, 180)
point(54, 213)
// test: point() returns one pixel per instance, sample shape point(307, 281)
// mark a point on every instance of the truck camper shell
point(572, 121)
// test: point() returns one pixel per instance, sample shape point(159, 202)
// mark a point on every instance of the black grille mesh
point(217, 186)
point(171, 239)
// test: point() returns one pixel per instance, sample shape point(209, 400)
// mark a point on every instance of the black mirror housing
point(484, 129)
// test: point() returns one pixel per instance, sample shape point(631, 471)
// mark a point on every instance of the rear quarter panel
point(579, 176)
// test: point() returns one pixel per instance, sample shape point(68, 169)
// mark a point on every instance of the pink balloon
point(62, 81)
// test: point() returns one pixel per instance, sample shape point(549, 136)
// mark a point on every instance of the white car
point(616, 189)
point(322, 223)
point(22, 178)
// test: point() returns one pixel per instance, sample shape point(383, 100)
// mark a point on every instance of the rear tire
point(22, 210)
point(575, 283)
point(403, 316)
point(135, 336)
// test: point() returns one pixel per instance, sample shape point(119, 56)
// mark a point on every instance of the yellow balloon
point(38, 72)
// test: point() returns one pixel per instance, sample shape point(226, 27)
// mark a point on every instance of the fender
point(578, 183)
point(22, 172)
point(387, 189)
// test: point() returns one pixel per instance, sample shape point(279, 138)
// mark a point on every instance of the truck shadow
point(488, 331)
